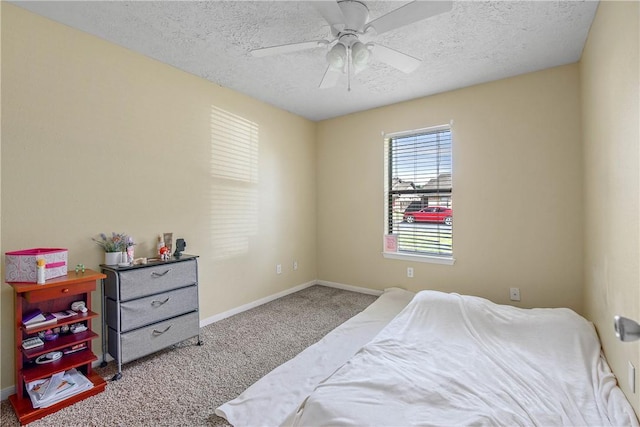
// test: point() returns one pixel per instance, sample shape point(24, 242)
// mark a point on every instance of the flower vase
point(112, 258)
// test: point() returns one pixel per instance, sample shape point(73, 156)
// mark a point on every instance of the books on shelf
point(48, 320)
point(32, 316)
point(64, 314)
point(43, 319)
point(76, 347)
point(46, 392)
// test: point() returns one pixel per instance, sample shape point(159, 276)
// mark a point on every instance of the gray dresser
point(149, 307)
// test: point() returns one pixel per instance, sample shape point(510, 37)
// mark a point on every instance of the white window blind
point(419, 206)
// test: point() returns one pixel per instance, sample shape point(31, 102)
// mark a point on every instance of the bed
point(442, 359)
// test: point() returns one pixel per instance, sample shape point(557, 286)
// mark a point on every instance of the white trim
point(249, 306)
point(6, 392)
point(352, 288)
point(98, 362)
point(415, 131)
point(419, 258)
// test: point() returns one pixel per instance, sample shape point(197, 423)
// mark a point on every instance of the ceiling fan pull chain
point(349, 68)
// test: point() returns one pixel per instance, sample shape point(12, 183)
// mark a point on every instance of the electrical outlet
point(295, 265)
point(409, 271)
point(279, 269)
point(632, 377)
point(514, 294)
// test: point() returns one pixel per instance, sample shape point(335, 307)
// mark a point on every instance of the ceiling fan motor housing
point(356, 15)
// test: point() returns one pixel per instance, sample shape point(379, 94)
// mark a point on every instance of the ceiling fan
point(349, 21)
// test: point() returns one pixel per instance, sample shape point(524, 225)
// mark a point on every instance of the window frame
point(407, 256)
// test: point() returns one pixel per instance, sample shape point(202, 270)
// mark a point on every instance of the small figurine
point(164, 253)
point(79, 268)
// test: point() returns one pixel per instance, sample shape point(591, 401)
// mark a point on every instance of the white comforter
point(269, 401)
point(451, 360)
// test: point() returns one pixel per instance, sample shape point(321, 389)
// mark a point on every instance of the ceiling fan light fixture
point(348, 20)
point(337, 56)
point(360, 54)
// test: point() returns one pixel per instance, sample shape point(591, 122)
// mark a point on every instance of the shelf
point(81, 317)
point(55, 295)
point(62, 342)
point(27, 413)
point(66, 362)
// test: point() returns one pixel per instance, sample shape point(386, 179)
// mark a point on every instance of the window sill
point(419, 258)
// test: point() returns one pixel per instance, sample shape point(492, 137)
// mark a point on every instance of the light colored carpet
point(184, 384)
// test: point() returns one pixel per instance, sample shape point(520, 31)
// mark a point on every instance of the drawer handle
point(156, 303)
point(154, 274)
point(65, 290)
point(157, 332)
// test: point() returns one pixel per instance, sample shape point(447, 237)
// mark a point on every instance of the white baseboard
point(5, 393)
point(245, 307)
point(352, 288)
point(249, 306)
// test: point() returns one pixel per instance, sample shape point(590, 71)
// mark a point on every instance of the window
point(419, 197)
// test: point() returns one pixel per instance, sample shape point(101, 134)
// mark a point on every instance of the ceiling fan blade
point(287, 48)
point(399, 60)
point(408, 14)
point(330, 77)
point(332, 13)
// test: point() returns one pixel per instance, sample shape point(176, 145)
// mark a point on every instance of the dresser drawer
point(59, 291)
point(158, 278)
point(150, 339)
point(143, 311)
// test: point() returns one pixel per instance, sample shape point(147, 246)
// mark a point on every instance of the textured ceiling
point(476, 42)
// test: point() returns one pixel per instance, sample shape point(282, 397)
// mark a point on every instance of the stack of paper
point(64, 314)
point(46, 392)
point(40, 320)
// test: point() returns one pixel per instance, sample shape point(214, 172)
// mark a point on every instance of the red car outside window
point(430, 214)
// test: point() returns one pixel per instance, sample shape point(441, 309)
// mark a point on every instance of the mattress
point(275, 396)
point(449, 359)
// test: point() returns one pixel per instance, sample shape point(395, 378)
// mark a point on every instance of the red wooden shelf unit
point(53, 296)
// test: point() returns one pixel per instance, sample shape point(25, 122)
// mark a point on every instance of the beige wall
point(99, 139)
point(88, 127)
point(517, 191)
point(611, 132)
